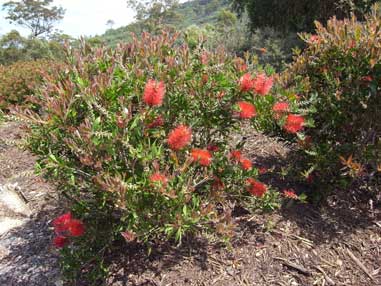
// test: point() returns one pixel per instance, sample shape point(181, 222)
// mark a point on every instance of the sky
point(82, 17)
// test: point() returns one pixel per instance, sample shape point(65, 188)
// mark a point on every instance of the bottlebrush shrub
point(339, 73)
point(138, 138)
point(19, 81)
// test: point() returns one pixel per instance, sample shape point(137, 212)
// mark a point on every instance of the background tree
point(11, 47)
point(298, 15)
point(154, 14)
point(110, 23)
point(36, 15)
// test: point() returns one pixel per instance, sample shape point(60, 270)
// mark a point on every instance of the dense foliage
point(139, 138)
point(21, 80)
point(181, 16)
point(340, 73)
point(14, 47)
point(298, 15)
point(212, 22)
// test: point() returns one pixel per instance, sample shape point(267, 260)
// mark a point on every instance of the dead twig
point(359, 264)
point(326, 277)
point(299, 268)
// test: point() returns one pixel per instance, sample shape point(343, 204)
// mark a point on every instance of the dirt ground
point(26, 254)
point(336, 244)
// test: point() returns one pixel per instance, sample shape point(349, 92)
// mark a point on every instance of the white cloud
point(84, 17)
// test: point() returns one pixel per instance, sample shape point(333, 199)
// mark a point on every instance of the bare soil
point(26, 254)
point(338, 243)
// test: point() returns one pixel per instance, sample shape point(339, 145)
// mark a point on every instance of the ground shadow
point(28, 258)
point(342, 212)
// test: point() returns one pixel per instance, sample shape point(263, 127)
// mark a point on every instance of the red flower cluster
point(290, 194)
point(294, 123)
point(66, 226)
point(236, 155)
point(246, 82)
point(203, 157)
point(256, 188)
point(246, 110)
point(159, 179)
point(245, 163)
point(262, 84)
point(154, 93)
point(179, 137)
point(281, 107)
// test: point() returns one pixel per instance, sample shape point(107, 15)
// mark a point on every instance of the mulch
point(27, 257)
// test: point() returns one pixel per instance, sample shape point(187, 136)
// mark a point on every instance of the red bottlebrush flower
point(212, 148)
point(179, 137)
point(60, 241)
point(256, 188)
point(290, 194)
point(203, 157)
point(154, 93)
point(294, 123)
point(157, 122)
point(246, 164)
point(158, 178)
point(236, 155)
point(246, 110)
point(281, 107)
point(246, 82)
point(263, 84)
point(60, 223)
point(76, 227)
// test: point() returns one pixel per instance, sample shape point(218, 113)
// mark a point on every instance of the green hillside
point(196, 12)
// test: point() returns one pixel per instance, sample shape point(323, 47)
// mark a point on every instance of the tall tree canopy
point(154, 13)
point(36, 15)
point(298, 15)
